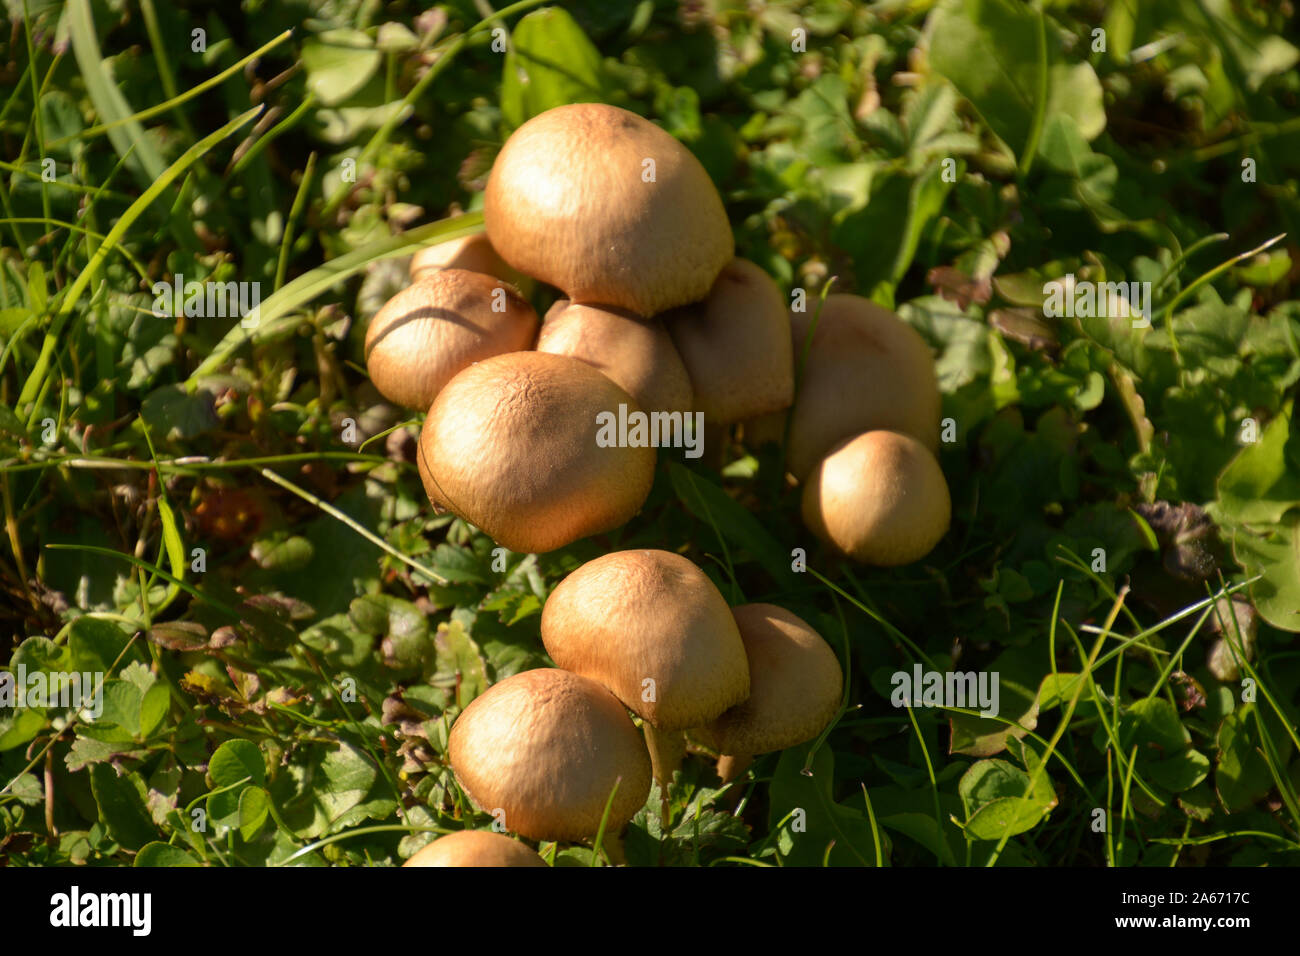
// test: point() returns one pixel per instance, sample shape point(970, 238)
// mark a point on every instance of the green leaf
point(163, 854)
point(122, 806)
point(234, 760)
point(826, 826)
point(549, 62)
point(1261, 484)
point(174, 412)
point(998, 802)
point(459, 663)
point(1275, 555)
point(282, 552)
point(254, 809)
point(338, 63)
point(989, 50)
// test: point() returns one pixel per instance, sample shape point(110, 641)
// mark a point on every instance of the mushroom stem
point(731, 766)
point(667, 748)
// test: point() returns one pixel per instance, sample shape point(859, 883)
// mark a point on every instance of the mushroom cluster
point(552, 753)
point(654, 316)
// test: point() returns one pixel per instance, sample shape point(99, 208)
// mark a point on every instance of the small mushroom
point(866, 369)
point(1237, 625)
point(510, 446)
point(795, 686)
point(544, 749)
point(880, 498)
point(651, 627)
point(634, 353)
point(472, 253)
point(607, 207)
point(440, 324)
point(736, 345)
point(475, 848)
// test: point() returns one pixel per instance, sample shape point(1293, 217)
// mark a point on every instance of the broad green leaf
point(997, 799)
point(122, 806)
point(825, 826)
point(1261, 484)
point(1275, 555)
point(338, 63)
point(549, 62)
point(163, 854)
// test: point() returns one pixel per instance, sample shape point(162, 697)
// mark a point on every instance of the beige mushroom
point(439, 325)
point(472, 253)
point(866, 369)
point(795, 682)
point(510, 446)
point(544, 750)
point(475, 848)
point(879, 498)
point(607, 207)
point(736, 345)
point(651, 627)
point(635, 353)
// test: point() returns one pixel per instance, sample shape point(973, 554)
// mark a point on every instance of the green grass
point(289, 631)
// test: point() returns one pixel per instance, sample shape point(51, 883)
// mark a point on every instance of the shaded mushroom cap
point(475, 848)
point(880, 498)
point(736, 345)
point(546, 747)
point(795, 683)
point(651, 627)
point(472, 253)
point(510, 446)
point(634, 353)
point(867, 369)
point(440, 324)
point(607, 207)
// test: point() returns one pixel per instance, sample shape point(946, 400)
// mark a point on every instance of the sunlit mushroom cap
point(651, 627)
point(795, 685)
point(475, 848)
point(607, 207)
point(866, 369)
point(546, 748)
point(437, 326)
point(510, 445)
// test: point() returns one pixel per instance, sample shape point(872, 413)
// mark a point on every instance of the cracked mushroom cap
point(651, 627)
point(736, 345)
point(880, 498)
point(795, 685)
point(866, 369)
point(510, 446)
point(607, 207)
point(471, 253)
point(546, 747)
point(440, 324)
point(634, 353)
point(475, 848)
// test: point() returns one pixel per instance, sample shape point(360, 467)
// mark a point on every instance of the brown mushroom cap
point(880, 498)
point(547, 747)
point(475, 848)
point(736, 345)
point(437, 326)
point(472, 253)
point(866, 369)
point(633, 616)
point(510, 446)
point(635, 353)
point(795, 684)
point(571, 201)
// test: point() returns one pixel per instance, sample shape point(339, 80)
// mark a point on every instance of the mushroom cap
point(633, 616)
point(510, 446)
point(635, 353)
point(475, 848)
point(546, 747)
point(866, 369)
point(736, 345)
point(795, 683)
point(472, 253)
point(440, 324)
point(571, 201)
point(880, 498)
